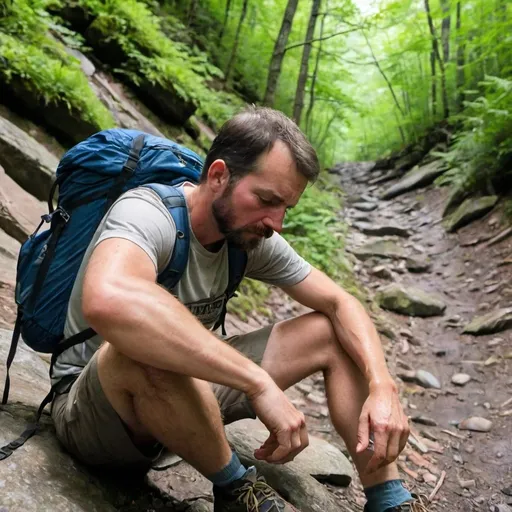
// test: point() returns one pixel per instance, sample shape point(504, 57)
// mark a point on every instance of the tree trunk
point(232, 57)
point(225, 20)
point(460, 61)
point(276, 61)
point(315, 72)
point(437, 55)
point(445, 29)
point(303, 73)
point(434, 84)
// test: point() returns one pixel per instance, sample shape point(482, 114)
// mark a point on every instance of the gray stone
point(427, 380)
point(26, 161)
point(470, 210)
point(293, 480)
point(417, 264)
point(409, 301)
point(461, 379)
point(381, 230)
point(489, 323)
point(380, 248)
point(382, 272)
point(20, 212)
point(365, 207)
point(476, 424)
point(418, 177)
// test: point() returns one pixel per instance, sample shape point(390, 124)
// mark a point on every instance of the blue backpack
point(90, 177)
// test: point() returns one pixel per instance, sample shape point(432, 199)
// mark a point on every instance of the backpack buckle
point(64, 215)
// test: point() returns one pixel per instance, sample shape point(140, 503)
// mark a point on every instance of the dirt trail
point(472, 279)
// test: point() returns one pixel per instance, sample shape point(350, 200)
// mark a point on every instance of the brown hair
point(249, 134)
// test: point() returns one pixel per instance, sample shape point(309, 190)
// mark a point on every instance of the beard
point(247, 237)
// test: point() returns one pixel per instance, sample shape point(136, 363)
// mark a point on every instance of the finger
point(363, 432)
point(267, 448)
point(380, 451)
point(295, 448)
point(404, 436)
point(284, 447)
point(393, 446)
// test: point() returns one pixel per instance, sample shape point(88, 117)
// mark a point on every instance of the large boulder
point(470, 210)
point(409, 301)
point(495, 321)
point(26, 161)
point(381, 229)
point(418, 177)
point(381, 249)
point(20, 212)
point(40, 476)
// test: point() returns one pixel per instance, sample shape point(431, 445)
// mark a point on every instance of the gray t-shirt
point(140, 216)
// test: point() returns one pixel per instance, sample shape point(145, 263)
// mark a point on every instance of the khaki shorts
point(89, 427)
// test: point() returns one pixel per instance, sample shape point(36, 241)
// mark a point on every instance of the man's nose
point(275, 221)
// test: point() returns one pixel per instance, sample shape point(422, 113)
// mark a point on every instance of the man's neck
point(202, 222)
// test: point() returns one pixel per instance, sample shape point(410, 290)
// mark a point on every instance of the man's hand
point(382, 415)
point(287, 426)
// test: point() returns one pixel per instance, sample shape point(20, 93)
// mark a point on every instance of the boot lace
point(255, 494)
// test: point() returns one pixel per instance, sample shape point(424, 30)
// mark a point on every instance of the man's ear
point(218, 176)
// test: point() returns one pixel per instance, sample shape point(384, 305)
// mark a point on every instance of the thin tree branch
point(295, 45)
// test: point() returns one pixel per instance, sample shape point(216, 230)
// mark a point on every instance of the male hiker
point(157, 375)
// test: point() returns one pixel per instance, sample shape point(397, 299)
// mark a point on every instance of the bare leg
point(302, 346)
point(180, 412)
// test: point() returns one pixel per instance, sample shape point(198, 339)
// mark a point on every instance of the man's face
point(253, 207)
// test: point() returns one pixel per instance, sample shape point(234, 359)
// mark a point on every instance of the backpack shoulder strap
point(237, 260)
point(175, 202)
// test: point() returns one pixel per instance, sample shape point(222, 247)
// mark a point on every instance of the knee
point(133, 376)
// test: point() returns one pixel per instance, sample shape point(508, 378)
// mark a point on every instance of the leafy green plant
point(29, 54)
point(482, 152)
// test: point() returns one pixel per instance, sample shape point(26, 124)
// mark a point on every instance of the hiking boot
point(418, 504)
point(249, 494)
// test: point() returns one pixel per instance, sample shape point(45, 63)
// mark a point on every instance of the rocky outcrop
point(381, 229)
point(416, 178)
point(470, 210)
point(409, 301)
point(20, 212)
point(40, 476)
point(495, 321)
point(26, 161)
point(381, 249)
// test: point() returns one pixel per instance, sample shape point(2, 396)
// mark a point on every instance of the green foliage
point(152, 55)
point(316, 232)
point(27, 53)
point(482, 152)
point(250, 299)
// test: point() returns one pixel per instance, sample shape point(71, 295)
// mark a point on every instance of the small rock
point(458, 458)
point(507, 491)
point(429, 479)
point(503, 507)
point(424, 420)
point(427, 380)
point(469, 448)
point(476, 424)
point(365, 207)
point(461, 379)
point(305, 388)
point(467, 484)
point(317, 399)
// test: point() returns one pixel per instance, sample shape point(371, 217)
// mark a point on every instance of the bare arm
point(353, 326)
point(124, 304)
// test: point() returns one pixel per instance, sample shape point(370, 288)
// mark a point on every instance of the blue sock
point(233, 471)
point(386, 495)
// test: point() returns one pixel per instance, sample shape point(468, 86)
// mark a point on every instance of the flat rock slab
point(495, 321)
point(418, 177)
point(20, 212)
point(296, 480)
point(409, 301)
point(365, 207)
point(26, 161)
point(470, 210)
point(380, 248)
point(381, 230)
